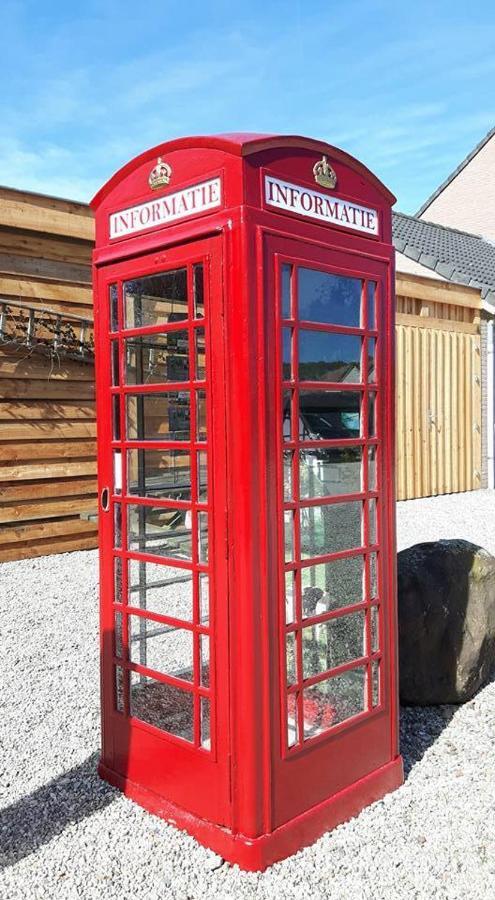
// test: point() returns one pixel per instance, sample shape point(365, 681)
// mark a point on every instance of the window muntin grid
point(329, 489)
point(163, 655)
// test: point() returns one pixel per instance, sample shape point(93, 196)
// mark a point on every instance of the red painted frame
point(264, 800)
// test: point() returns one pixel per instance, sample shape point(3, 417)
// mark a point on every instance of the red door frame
point(135, 752)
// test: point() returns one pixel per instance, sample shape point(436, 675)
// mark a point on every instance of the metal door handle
point(105, 499)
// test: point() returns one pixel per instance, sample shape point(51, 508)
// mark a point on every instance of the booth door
point(161, 461)
point(328, 321)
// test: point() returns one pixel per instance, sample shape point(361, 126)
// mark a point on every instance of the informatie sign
point(160, 211)
point(294, 198)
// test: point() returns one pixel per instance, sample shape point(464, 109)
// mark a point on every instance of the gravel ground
point(66, 834)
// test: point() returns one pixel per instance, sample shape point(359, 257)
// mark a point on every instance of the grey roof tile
point(457, 255)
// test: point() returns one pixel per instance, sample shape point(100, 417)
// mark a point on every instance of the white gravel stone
point(66, 834)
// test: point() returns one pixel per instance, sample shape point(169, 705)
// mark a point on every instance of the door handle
point(105, 499)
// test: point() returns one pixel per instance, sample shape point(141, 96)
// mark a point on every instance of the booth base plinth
point(256, 854)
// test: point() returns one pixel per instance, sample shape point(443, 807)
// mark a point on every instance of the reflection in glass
point(371, 360)
point(327, 356)
point(160, 531)
point(375, 639)
point(332, 585)
point(156, 358)
point(375, 682)
point(117, 525)
point(333, 643)
point(202, 474)
point(162, 705)
point(286, 292)
point(371, 292)
point(119, 688)
point(289, 534)
point(164, 648)
point(292, 721)
point(204, 656)
point(198, 289)
point(291, 657)
point(328, 415)
point(373, 576)
point(372, 521)
point(330, 299)
point(205, 723)
point(333, 701)
point(116, 417)
point(158, 417)
point(201, 415)
point(286, 353)
point(290, 596)
point(288, 474)
point(161, 589)
point(115, 364)
point(159, 473)
point(114, 307)
point(204, 603)
point(330, 528)
point(203, 537)
point(330, 471)
point(156, 299)
point(287, 415)
point(200, 345)
point(371, 414)
point(372, 468)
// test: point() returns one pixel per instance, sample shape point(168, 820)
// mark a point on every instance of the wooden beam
point(34, 366)
point(29, 450)
point(35, 410)
point(49, 389)
point(44, 509)
point(48, 218)
point(57, 270)
point(43, 246)
point(51, 430)
point(61, 544)
point(429, 322)
point(11, 534)
point(60, 488)
point(439, 292)
point(29, 471)
point(45, 290)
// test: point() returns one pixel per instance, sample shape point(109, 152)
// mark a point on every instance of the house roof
point(456, 171)
point(459, 256)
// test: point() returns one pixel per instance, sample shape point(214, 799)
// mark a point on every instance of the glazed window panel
point(332, 585)
point(158, 416)
point(329, 299)
point(164, 648)
point(330, 528)
point(160, 531)
point(333, 643)
point(163, 705)
point(333, 701)
point(329, 356)
point(329, 415)
point(156, 299)
point(157, 358)
point(330, 471)
point(161, 589)
point(165, 474)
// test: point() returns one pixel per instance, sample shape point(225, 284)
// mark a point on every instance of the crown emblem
point(324, 174)
point(160, 174)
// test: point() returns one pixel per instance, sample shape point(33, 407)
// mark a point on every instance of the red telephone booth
point(245, 380)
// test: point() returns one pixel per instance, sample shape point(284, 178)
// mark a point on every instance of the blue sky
point(406, 87)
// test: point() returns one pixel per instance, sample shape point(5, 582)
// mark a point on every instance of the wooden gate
point(438, 388)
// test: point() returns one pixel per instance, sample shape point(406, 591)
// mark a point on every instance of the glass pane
point(114, 305)
point(200, 343)
point(371, 414)
point(159, 531)
point(202, 470)
point(372, 468)
point(117, 525)
point(375, 682)
point(205, 723)
point(286, 292)
point(118, 580)
point(204, 654)
point(332, 643)
point(371, 359)
point(371, 292)
point(161, 589)
point(332, 585)
point(119, 688)
point(159, 473)
point(372, 521)
point(292, 722)
point(290, 596)
point(286, 353)
point(157, 358)
point(330, 299)
point(198, 286)
point(166, 649)
point(373, 576)
point(330, 528)
point(333, 701)
point(328, 415)
point(116, 417)
point(374, 629)
point(117, 634)
point(330, 471)
point(204, 602)
point(201, 415)
point(288, 474)
point(156, 299)
point(325, 356)
point(291, 658)
point(162, 705)
point(289, 535)
point(287, 415)
point(115, 364)
point(203, 537)
point(158, 417)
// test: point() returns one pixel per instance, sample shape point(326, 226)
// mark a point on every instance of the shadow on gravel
point(39, 817)
point(420, 726)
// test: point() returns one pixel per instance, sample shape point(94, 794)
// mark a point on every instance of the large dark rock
point(446, 593)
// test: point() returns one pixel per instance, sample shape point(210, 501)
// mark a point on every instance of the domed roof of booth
point(240, 143)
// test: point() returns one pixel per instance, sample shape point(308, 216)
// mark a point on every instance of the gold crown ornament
point(324, 174)
point(160, 175)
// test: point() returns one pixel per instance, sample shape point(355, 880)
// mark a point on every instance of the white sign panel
point(324, 207)
point(188, 202)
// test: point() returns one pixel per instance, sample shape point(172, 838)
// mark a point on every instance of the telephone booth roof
point(240, 144)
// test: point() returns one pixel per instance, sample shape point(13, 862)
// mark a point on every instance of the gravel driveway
point(66, 834)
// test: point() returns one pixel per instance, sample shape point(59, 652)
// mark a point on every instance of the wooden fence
point(438, 388)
